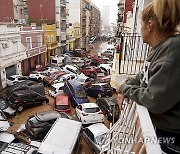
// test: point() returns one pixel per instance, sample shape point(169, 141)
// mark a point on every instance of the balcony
point(63, 29)
point(35, 51)
point(52, 45)
point(133, 133)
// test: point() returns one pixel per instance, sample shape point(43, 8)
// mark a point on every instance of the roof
point(89, 105)
point(76, 84)
point(100, 84)
point(98, 128)
point(62, 100)
point(66, 140)
point(58, 85)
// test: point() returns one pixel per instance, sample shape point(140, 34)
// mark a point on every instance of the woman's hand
point(121, 99)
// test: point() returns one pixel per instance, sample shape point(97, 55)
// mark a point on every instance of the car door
point(102, 106)
point(89, 137)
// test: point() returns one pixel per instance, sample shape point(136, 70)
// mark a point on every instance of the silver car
point(95, 135)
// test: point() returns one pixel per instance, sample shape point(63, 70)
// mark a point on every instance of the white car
point(71, 69)
point(13, 79)
point(96, 136)
point(56, 89)
point(89, 113)
point(106, 69)
point(37, 76)
point(83, 79)
point(65, 77)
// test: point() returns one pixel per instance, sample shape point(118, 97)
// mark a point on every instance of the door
point(11, 70)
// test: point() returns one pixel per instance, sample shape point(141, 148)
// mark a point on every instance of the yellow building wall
point(50, 41)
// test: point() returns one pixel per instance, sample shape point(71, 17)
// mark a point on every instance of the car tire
point(20, 108)
point(99, 95)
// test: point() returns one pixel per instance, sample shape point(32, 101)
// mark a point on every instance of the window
point(39, 40)
point(89, 134)
point(57, 10)
point(47, 38)
point(28, 43)
point(92, 110)
point(57, 24)
point(52, 38)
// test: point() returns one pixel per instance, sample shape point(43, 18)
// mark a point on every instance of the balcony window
point(47, 38)
point(39, 40)
point(28, 43)
point(57, 24)
point(52, 38)
point(57, 10)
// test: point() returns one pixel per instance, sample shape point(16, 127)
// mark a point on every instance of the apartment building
point(51, 12)
point(13, 11)
point(32, 39)
point(12, 53)
point(88, 16)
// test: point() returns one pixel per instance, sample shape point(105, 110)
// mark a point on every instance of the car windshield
point(3, 104)
point(92, 110)
point(52, 88)
point(62, 107)
point(101, 139)
point(11, 78)
point(80, 93)
point(2, 116)
point(106, 86)
point(22, 78)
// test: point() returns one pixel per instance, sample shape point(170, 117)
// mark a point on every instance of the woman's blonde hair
point(165, 13)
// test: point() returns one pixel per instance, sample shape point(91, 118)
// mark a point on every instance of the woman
point(158, 86)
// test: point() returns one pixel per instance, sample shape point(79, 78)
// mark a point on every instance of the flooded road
point(22, 117)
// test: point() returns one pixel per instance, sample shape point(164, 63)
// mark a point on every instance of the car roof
point(47, 115)
point(75, 83)
point(89, 105)
point(72, 67)
point(58, 85)
point(98, 129)
point(100, 84)
point(62, 100)
point(24, 92)
point(109, 100)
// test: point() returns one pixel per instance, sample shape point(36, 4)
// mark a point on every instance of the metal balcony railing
point(133, 53)
point(133, 133)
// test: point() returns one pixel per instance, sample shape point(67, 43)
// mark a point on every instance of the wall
point(11, 54)
point(42, 9)
point(6, 11)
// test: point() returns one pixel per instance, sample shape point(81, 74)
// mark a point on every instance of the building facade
point(50, 41)
point(12, 53)
point(32, 39)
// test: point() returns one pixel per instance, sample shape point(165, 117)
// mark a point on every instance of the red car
point(105, 79)
point(49, 79)
point(62, 103)
point(80, 53)
point(96, 60)
point(90, 71)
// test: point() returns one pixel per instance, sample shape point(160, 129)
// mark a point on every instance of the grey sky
point(113, 8)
